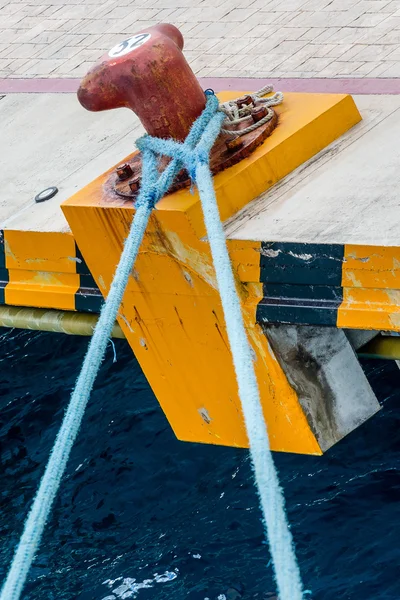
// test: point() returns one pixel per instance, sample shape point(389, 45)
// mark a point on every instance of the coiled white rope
point(235, 114)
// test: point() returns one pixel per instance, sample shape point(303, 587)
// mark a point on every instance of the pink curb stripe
point(335, 86)
point(38, 86)
point(316, 85)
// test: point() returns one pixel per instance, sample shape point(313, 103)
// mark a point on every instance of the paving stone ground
point(266, 38)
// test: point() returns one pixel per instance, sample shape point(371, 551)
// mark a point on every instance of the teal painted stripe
point(81, 266)
point(301, 283)
point(4, 276)
point(88, 298)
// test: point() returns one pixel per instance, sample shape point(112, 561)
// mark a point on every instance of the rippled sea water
point(142, 515)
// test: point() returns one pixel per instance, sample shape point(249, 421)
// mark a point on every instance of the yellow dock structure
point(311, 257)
point(171, 313)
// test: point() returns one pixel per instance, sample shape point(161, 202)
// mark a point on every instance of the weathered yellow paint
point(42, 288)
point(172, 318)
point(246, 258)
point(40, 251)
point(42, 269)
point(171, 312)
point(371, 288)
point(371, 267)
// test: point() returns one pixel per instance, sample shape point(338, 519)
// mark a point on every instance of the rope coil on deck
point(235, 114)
point(193, 154)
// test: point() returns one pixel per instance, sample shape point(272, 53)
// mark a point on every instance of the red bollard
point(148, 74)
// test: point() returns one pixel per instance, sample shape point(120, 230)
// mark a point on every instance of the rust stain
point(179, 317)
point(221, 336)
point(215, 315)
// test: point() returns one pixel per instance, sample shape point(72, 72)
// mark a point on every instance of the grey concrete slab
point(322, 367)
point(49, 139)
point(348, 194)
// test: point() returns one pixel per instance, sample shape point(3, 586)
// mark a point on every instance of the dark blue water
point(141, 515)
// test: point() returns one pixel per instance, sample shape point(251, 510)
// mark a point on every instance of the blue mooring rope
point(194, 155)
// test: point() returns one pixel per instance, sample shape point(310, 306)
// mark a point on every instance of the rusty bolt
point(234, 143)
point(134, 185)
point(259, 113)
point(124, 171)
point(244, 100)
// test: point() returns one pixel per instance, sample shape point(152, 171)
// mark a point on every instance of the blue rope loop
point(193, 153)
point(194, 150)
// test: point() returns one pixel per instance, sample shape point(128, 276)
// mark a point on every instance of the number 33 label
point(128, 45)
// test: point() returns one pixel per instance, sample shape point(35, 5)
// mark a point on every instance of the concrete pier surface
point(325, 46)
point(345, 195)
point(223, 38)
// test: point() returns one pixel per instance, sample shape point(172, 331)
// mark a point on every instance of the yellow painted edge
point(278, 156)
point(42, 289)
point(371, 288)
point(40, 251)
